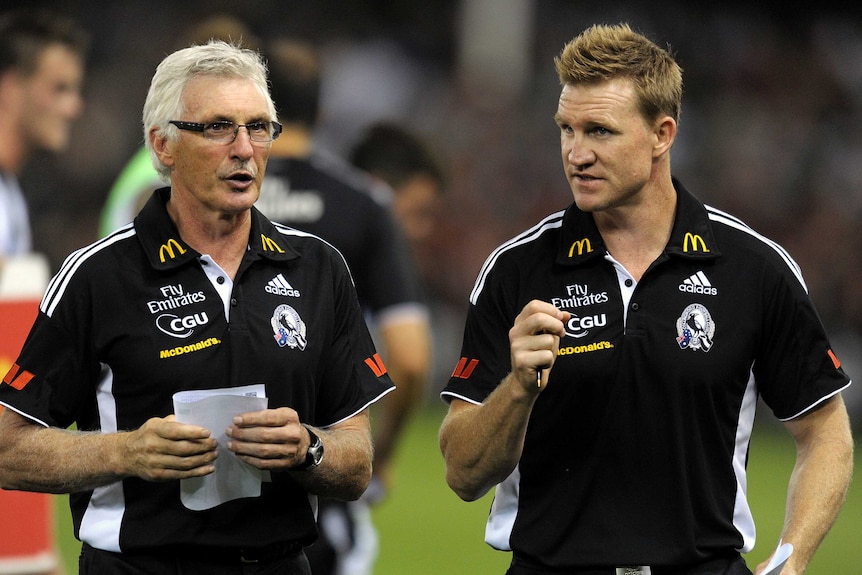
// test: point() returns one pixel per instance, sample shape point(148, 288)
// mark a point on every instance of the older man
point(200, 293)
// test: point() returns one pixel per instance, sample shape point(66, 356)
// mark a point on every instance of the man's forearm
point(819, 483)
point(345, 471)
point(482, 444)
point(408, 357)
point(34, 458)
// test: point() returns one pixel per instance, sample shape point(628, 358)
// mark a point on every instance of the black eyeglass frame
point(201, 129)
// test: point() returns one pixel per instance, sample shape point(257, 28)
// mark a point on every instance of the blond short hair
point(604, 52)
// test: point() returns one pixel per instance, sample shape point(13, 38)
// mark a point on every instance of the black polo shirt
point(635, 453)
point(133, 318)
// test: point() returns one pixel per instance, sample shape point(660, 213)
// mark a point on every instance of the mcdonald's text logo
point(584, 247)
point(270, 245)
point(696, 241)
point(376, 364)
point(168, 247)
point(17, 377)
point(465, 368)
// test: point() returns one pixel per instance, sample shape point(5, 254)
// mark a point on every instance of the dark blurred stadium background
point(770, 129)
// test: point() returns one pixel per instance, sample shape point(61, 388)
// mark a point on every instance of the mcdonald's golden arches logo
point(584, 247)
point(168, 247)
point(270, 245)
point(696, 241)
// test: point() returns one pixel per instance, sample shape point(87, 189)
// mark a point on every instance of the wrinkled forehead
point(224, 97)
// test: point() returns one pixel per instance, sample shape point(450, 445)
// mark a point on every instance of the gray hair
point(216, 58)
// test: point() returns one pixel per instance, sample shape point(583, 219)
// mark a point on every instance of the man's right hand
point(535, 340)
point(163, 449)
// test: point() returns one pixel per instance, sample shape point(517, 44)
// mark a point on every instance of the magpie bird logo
point(288, 328)
point(695, 328)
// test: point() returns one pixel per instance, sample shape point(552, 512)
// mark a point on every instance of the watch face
point(315, 451)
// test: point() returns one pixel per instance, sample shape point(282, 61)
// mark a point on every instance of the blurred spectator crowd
point(771, 126)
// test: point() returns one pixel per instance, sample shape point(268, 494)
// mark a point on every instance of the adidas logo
point(698, 284)
point(280, 286)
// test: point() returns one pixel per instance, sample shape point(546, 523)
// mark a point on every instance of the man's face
point(218, 177)
point(416, 205)
point(608, 149)
point(51, 99)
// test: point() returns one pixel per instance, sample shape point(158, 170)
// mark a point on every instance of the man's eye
point(220, 127)
point(257, 127)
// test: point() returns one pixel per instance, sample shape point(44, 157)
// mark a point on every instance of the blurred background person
point(41, 77)
point(42, 61)
point(401, 160)
point(312, 190)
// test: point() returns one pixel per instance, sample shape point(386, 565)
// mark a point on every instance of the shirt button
point(220, 279)
point(233, 301)
point(635, 306)
point(629, 282)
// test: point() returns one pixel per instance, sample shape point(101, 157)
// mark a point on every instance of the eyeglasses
point(225, 132)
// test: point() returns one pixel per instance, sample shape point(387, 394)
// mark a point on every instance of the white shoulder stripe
point(60, 282)
point(733, 222)
point(550, 222)
point(360, 410)
point(289, 231)
point(25, 415)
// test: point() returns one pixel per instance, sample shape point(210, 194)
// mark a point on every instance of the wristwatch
point(314, 455)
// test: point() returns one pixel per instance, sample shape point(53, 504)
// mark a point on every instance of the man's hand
point(535, 340)
point(270, 439)
point(163, 449)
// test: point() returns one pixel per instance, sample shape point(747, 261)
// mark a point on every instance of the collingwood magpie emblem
point(288, 328)
point(695, 328)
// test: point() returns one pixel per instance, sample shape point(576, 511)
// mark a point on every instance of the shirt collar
point(166, 250)
point(691, 237)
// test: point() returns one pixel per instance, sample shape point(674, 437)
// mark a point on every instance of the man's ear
point(161, 146)
point(665, 132)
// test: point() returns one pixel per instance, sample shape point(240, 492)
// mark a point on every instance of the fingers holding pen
point(535, 339)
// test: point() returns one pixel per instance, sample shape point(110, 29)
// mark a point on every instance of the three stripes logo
point(280, 286)
point(376, 365)
point(698, 284)
point(465, 368)
point(17, 377)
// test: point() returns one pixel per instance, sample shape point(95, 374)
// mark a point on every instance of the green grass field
point(425, 529)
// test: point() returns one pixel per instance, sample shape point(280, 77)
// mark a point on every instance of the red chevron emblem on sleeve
point(464, 368)
point(17, 377)
point(376, 364)
point(834, 358)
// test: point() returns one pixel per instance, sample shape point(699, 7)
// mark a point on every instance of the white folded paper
point(215, 409)
point(779, 558)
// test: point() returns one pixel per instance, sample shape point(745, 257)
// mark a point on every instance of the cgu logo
point(696, 241)
point(181, 327)
point(581, 326)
